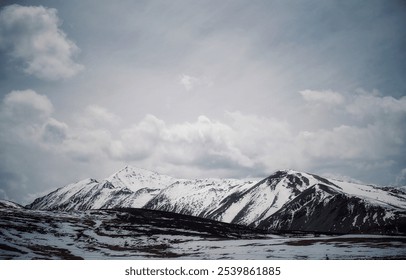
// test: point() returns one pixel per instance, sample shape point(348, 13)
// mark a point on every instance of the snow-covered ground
point(95, 234)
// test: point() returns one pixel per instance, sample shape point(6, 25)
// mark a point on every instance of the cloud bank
point(238, 146)
point(32, 36)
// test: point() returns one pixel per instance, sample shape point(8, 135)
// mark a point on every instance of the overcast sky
point(200, 89)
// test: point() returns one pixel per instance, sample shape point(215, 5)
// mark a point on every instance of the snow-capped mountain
point(285, 201)
point(129, 187)
point(341, 207)
point(290, 200)
point(262, 199)
point(138, 178)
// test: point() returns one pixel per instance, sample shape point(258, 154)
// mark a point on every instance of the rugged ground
point(144, 234)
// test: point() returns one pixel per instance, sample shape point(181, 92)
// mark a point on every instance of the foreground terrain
point(142, 234)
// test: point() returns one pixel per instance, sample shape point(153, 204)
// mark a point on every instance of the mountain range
point(286, 201)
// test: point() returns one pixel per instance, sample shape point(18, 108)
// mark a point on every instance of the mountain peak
point(290, 171)
point(136, 178)
point(135, 170)
point(287, 173)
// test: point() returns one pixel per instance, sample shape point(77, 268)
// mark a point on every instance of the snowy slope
point(286, 200)
point(138, 178)
point(374, 195)
point(196, 197)
point(324, 208)
point(143, 183)
point(263, 199)
point(83, 195)
point(9, 204)
point(68, 197)
point(129, 187)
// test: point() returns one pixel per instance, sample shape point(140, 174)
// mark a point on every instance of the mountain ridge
point(285, 200)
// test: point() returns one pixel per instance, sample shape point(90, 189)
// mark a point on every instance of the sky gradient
point(200, 89)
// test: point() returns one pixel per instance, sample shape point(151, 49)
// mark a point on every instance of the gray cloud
point(96, 115)
point(375, 105)
point(32, 35)
point(9, 183)
point(239, 145)
point(54, 131)
point(324, 97)
point(401, 178)
point(26, 105)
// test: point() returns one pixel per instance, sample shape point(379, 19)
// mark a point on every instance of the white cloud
point(26, 105)
point(361, 104)
point(369, 143)
point(138, 141)
point(374, 105)
point(243, 142)
point(190, 82)
point(26, 118)
point(95, 115)
point(324, 97)
point(22, 116)
point(32, 35)
point(205, 143)
point(85, 145)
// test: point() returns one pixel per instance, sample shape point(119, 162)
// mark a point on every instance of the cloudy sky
point(200, 89)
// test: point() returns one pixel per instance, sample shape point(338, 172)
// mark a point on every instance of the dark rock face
point(321, 209)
